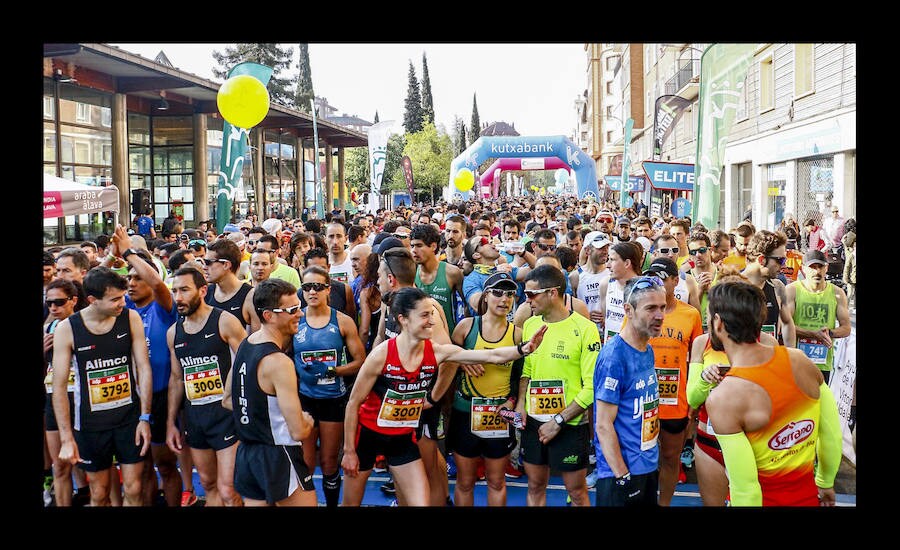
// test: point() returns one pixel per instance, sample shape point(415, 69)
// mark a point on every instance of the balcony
point(686, 81)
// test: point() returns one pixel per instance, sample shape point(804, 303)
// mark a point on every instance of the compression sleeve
point(697, 387)
point(740, 465)
point(829, 446)
point(515, 374)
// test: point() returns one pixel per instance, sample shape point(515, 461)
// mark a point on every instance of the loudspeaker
point(140, 201)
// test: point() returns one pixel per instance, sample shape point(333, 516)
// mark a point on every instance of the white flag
point(378, 139)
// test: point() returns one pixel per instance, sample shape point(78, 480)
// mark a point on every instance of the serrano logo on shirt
point(792, 434)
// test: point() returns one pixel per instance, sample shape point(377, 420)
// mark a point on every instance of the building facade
point(791, 149)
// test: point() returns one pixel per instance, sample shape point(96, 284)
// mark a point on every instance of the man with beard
point(775, 417)
point(626, 405)
point(200, 366)
point(455, 233)
point(766, 254)
point(815, 304)
point(438, 279)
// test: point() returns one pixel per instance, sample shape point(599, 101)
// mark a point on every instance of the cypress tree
point(412, 117)
point(427, 100)
point(376, 117)
point(304, 82)
point(475, 126)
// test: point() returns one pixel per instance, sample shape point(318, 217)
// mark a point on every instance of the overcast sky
point(531, 85)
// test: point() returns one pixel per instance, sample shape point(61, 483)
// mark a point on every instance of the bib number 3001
point(401, 410)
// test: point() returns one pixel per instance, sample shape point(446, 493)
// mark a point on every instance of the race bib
point(650, 425)
point(546, 398)
point(815, 350)
point(668, 385)
point(109, 388)
point(401, 410)
point(769, 329)
point(321, 359)
point(610, 334)
point(341, 277)
point(486, 420)
point(203, 383)
point(48, 380)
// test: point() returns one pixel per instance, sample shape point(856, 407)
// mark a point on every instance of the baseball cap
point(388, 243)
point(230, 228)
point(271, 225)
point(814, 257)
point(663, 267)
point(502, 281)
point(835, 209)
point(622, 220)
point(245, 223)
point(596, 239)
point(645, 242)
point(378, 238)
point(237, 238)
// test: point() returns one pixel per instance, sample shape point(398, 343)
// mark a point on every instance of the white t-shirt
point(589, 290)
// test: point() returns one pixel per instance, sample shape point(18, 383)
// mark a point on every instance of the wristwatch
point(128, 252)
point(148, 418)
point(621, 481)
point(559, 419)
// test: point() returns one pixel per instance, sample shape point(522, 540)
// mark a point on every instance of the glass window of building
point(280, 173)
point(803, 69)
point(77, 145)
point(766, 84)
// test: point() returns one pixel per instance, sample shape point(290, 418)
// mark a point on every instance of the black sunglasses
point(318, 287)
point(208, 262)
point(500, 293)
point(58, 302)
point(543, 246)
point(695, 251)
point(780, 259)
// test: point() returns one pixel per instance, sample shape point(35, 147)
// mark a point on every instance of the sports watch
point(559, 419)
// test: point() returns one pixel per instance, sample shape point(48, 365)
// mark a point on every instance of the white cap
point(271, 225)
point(596, 239)
point(645, 242)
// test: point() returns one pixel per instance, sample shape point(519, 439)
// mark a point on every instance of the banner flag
point(626, 160)
point(378, 138)
point(669, 109)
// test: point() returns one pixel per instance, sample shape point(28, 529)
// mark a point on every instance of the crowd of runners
point(481, 340)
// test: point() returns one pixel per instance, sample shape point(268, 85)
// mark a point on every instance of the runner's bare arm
point(63, 343)
point(355, 347)
point(176, 394)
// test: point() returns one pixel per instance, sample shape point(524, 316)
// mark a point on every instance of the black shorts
point(97, 449)
point(428, 423)
point(52, 426)
point(397, 449)
point(270, 472)
point(209, 426)
point(610, 494)
point(569, 451)
point(331, 409)
point(461, 440)
point(159, 409)
point(673, 425)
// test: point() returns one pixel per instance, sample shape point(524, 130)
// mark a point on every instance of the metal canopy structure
point(187, 93)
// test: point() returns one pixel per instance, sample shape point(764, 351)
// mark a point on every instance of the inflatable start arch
point(561, 147)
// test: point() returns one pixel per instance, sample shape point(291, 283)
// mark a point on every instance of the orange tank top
point(785, 448)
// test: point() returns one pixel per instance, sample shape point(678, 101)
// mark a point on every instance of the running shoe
point(682, 477)
point(451, 466)
point(48, 491)
point(687, 457)
point(380, 464)
point(480, 471)
point(394, 503)
point(389, 487)
point(591, 479)
point(188, 498)
point(512, 472)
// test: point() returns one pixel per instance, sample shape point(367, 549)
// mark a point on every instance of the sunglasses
point(245, 229)
point(58, 302)
point(318, 287)
point(209, 262)
point(780, 259)
point(643, 283)
point(605, 220)
point(503, 293)
point(289, 310)
point(251, 242)
point(197, 242)
point(673, 250)
point(536, 291)
point(546, 247)
point(695, 251)
point(401, 235)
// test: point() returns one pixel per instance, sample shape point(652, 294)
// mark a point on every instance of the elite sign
point(670, 175)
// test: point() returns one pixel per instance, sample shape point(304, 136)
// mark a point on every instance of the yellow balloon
point(243, 101)
point(464, 179)
point(543, 190)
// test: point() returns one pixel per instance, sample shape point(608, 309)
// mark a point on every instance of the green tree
point(412, 116)
point(430, 153)
point(427, 101)
point(393, 178)
point(475, 127)
point(356, 167)
point(459, 136)
point(270, 55)
point(305, 92)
